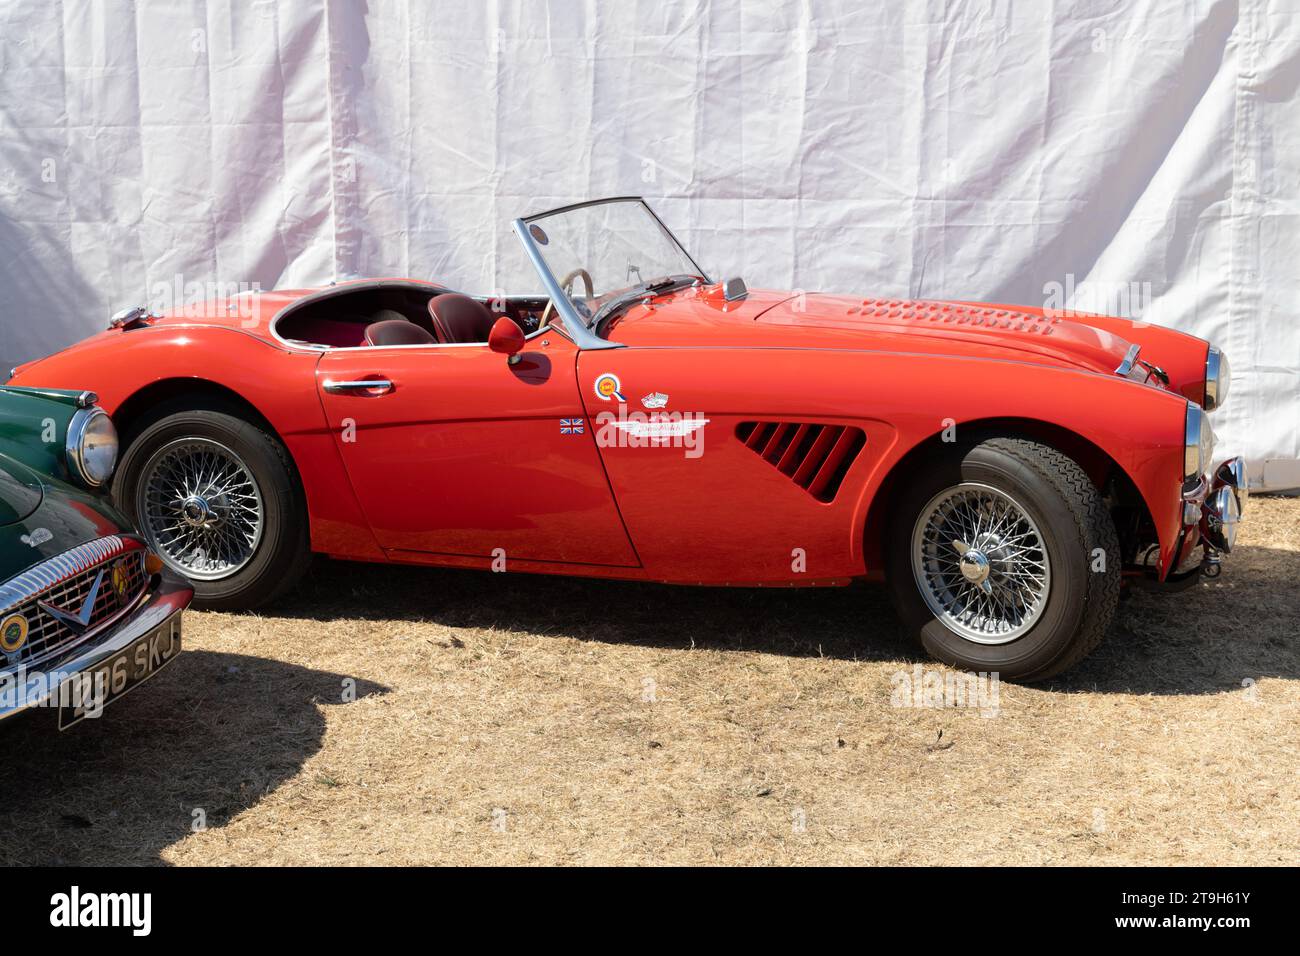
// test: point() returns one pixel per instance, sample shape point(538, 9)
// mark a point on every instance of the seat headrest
point(397, 332)
point(458, 318)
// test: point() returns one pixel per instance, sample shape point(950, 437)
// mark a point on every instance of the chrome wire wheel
point(200, 508)
point(980, 563)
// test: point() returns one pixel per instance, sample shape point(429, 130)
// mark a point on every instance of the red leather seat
point(458, 318)
point(397, 332)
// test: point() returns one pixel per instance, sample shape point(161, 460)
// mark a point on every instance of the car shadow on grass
point(854, 623)
point(1208, 639)
point(205, 739)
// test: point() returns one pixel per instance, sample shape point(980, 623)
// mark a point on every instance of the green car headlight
point(92, 446)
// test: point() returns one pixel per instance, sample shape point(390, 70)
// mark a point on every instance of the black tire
point(1073, 523)
point(283, 552)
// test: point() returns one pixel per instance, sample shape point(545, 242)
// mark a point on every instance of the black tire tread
point(1095, 529)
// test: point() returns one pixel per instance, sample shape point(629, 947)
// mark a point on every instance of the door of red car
point(461, 453)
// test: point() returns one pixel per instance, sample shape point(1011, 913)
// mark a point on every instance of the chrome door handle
point(379, 385)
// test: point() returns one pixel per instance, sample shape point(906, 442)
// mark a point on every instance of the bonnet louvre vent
point(814, 457)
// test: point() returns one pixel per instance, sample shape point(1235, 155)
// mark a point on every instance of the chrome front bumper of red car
point(1222, 512)
point(1211, 513)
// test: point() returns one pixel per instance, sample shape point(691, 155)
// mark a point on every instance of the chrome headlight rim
point(81, 460)
point(1217, 379)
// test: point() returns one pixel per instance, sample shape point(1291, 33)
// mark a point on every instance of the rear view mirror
point(506, 338)
point(734, 289)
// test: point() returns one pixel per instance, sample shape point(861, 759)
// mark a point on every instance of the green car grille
point(46, 609)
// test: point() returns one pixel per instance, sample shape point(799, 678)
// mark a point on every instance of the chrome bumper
point(1222, 510)
point(22, 690)
point(1211, 513)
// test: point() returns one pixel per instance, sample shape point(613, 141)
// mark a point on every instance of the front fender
point(1138, 427)
point(280, 384)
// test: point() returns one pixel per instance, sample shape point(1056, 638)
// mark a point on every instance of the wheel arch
point(134, 409)
point(336, 524)
point(1107, 474)
point(133, 412)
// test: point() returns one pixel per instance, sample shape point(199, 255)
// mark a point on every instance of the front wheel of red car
point(1003, 558)
point(218, 499)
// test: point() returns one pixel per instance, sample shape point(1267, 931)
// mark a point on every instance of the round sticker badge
point(609, 387)
point(13, 633)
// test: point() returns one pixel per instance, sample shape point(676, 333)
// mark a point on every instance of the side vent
point(814, 457)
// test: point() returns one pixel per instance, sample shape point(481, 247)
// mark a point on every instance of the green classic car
point(87, 612)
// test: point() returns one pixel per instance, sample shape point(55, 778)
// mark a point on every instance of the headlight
point(1217, 379)
point(92, 446)
point(1198, 449)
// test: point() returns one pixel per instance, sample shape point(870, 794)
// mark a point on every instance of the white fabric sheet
point(1145, 155)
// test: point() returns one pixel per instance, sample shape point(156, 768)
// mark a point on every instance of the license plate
point(87, 693)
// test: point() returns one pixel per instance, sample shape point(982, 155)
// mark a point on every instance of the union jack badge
point(572, 426)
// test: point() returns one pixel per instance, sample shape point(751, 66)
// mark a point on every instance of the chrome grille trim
point(35, 580)
point(65, 581)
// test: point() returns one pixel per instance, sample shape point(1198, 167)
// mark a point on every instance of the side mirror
point(506, 338)
point(734, 289)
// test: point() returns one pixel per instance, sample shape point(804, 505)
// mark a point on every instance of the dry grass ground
point(505, 719)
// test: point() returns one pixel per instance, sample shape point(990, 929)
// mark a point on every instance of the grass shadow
point(213, 733)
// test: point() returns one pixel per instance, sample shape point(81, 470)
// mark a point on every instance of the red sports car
point(1006, 469)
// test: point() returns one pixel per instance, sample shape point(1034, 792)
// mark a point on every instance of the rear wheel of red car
point(1003, 558)
point(218, 499)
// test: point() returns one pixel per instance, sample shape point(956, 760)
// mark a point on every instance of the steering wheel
point(567, 285)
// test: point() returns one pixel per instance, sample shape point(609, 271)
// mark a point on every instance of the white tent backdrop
point(1132, 157)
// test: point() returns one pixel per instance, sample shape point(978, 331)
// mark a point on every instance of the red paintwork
point(465, 455)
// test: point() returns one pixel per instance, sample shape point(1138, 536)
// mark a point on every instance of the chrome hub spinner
point(195, 511)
